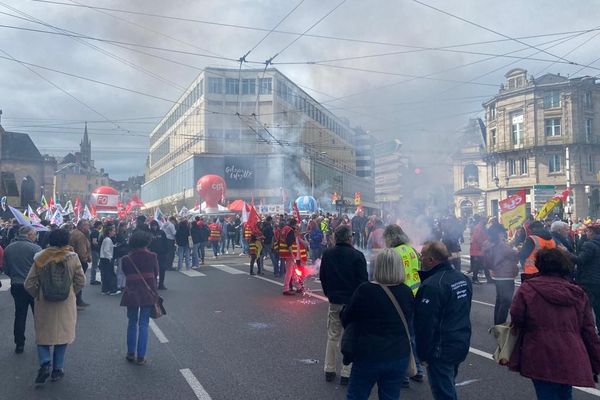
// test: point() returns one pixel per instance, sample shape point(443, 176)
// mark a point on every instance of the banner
point(550, 204)
point(240, 172)
point(513, 210)
point(105, 200)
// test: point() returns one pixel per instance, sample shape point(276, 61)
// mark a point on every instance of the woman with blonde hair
point(382, 343)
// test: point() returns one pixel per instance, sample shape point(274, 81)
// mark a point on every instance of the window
point(248, 86)
point(512, 167)
point(552, 126)
point(552, 99)
point(588, 99)
point(554, 163)
point(588, 129)
point(591, 164)
point(517, 128)
point(232, 86)
point(494, 170)
point(215, 85)
point(493, 111)
point(266, 85)
point(523, 166)
point(493, 137)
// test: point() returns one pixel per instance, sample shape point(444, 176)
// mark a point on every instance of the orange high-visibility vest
point(247, 233)
point(284, 250)
point(215, 232)
point(539, 243)
point(299, 252)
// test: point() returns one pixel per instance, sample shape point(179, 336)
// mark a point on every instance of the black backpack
point(56, 281)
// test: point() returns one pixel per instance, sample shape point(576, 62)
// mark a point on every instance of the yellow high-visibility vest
point(410, 260)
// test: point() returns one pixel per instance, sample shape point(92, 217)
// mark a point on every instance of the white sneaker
point(227, 252)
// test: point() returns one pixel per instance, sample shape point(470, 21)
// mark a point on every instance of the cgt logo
point(217, 186)
point(102, 200)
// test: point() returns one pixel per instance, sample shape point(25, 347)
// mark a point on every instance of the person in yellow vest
point(301, 257)
point(255, 250)
point(396, 239)
point(215, 236)
point(539, 238)
point(287, 238)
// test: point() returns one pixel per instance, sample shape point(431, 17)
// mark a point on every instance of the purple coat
point(136, 294)
point(558, 340)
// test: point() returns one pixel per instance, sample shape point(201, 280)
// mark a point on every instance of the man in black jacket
point(343, 269)
point(588, 267)
point(442, 323)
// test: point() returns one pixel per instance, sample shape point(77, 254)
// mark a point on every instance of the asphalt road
point(227, 335)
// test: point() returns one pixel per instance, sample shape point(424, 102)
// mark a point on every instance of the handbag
point(348, 343)
point(506, 342)
point(158, 309)
point(411, 370)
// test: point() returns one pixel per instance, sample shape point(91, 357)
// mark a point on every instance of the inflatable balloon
point(306, 203)
point(105, 198)
point(212, 189)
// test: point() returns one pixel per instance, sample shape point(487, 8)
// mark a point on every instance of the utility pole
point(568, 176)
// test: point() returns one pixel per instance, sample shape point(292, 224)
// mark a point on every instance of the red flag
point(93, 210)
point(77, 208)
point(252, 218)
point(296, 212)
point(51, 202)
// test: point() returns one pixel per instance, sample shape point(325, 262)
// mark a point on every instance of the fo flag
point(513, 210)
point(550, 204)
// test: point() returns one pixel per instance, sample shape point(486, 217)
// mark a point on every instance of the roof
point(548, 79)
point(18, 146)
point(467, 191)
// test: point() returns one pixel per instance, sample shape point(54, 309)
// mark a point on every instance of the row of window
point(515, 167)
point(160, 152)
point(300, 103)
point(232, 86)
point(551, 100)
point(182, 108)
point(552, 128)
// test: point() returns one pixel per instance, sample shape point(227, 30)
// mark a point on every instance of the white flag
point(86, 213)
point(33, 218)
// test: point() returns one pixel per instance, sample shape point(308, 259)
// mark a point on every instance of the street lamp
point(588, 192)
point(497, 182)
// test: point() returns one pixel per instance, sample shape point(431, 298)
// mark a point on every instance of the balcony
point(509, 146)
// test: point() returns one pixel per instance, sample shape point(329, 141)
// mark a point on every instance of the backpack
point(56, 281)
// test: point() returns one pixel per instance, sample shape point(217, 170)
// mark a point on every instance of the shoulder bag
point(411, 370)
point(506, 341)
point(158, 309)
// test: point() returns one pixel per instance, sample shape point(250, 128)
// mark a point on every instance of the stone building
point(542, 135)
point(25, 174)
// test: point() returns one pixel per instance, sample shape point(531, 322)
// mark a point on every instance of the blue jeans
point(195, 249)
point(183, 252)
point(245, 246)
point(441, 380)
point(57, 358)
point(215, 247)
point(388, 375)
point(552, 391)
point(137, 339)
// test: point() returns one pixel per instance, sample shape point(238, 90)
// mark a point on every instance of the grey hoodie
point(18, 259)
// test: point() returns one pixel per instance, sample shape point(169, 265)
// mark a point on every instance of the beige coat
point(55, 321)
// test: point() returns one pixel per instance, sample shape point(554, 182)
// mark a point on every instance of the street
point(227, 335)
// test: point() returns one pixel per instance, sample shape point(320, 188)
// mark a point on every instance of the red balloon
point(105, 198)
point(212, 189)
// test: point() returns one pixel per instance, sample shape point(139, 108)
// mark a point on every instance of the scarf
point(55, 254)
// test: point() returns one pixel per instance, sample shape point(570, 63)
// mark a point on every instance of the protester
point(182, 239)
point(79, 240)
point(159, 247)
point(95, 248)
point(107, 262)
point(382, 344)
point(254, 250)
point(442, 321)
point(230, 236)
point(18, 259)
point(287, 238)
point(452, 238)
point(588, 267)
point(315, 241)
point(502, 260)
point(396, 239)
point(539, 238)
point(343, 269)
point(54, 320)
point(200, 234)
point(558, 345)
point(121, 249)
point(170, 231)
point(215, 237)
point(478, 238)
point(138, 266)
point(223, 224)
point(268, 235)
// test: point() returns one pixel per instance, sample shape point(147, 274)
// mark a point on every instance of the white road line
point(192, 273)
point(196, 386)
point(592, 391)
point(229, 270)
point(483, 302)
point(5, 285)
point(158, 333)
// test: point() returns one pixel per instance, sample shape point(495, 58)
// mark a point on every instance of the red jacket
point(558, 340)
point(478, 238)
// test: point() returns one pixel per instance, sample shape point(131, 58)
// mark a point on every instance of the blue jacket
point(442, 315)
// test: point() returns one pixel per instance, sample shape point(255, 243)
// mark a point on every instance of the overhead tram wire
point(316, 36)
point(570, 52)
point(489, 30)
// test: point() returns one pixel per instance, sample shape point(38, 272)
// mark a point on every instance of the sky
point(408, 69)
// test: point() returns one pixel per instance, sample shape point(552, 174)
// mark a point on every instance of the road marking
point(229, 270)
point(483, 302)
point(308, 292)
point(196, 386)
point(489, 356)
point(158, 333)
point(5, 285)
point(192, 273)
